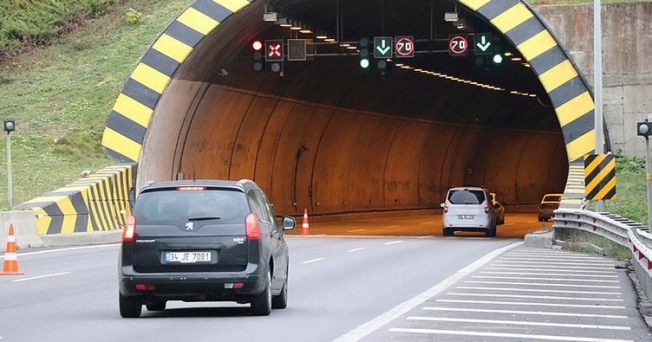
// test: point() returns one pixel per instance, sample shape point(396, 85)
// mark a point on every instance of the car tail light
point(130, 229)
point(145, 287)
point(445, 209)
point(252, 227)
point(486, 208)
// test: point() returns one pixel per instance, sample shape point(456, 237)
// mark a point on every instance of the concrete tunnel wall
point(333, 160)
point(355, 161)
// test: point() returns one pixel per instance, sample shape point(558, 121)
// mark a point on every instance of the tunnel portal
point(326, 135)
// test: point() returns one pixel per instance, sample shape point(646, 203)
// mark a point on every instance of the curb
point(540, 239)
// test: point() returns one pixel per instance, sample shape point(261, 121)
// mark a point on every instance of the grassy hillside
point(60, 95)
point(72, 66)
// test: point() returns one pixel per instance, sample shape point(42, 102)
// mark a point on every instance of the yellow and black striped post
point(600, 177)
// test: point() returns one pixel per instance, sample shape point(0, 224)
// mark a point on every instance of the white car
point(549, 203)
point(468, 208)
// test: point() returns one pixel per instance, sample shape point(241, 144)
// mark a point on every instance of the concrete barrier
point(24, 223)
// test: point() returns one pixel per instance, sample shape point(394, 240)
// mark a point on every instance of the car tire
point(448, 232)
point(262, 303)
point(156, 306)
point(281, 301)
point(130, 307)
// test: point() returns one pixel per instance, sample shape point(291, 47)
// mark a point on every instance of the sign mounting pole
point(597, 85)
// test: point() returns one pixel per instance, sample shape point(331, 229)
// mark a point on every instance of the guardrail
point(620, 230)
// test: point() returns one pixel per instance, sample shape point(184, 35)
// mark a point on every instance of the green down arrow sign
point(483, 43)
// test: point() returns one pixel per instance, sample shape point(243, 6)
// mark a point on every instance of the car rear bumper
point(197, 286)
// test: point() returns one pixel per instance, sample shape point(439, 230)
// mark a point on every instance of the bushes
point(25, 24)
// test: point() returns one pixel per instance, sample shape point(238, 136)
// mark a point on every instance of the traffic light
point(365, 53)
point(9, 125)
point(383, 67)
point(497, 58)
point(274, 54)
point(644, 129)
point(259, 63)
point(498, 55)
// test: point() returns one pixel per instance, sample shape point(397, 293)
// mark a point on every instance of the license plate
point(465, 217)
point(187, 257)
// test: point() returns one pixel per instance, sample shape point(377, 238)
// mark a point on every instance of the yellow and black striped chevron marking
point(98, 202)
point(567, 89)
point(600, 176)
point(133, 110)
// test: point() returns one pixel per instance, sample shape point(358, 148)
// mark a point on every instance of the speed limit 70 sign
point(458, 44)
point(404, 46)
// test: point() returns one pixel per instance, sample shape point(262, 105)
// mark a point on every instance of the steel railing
point(620, 230)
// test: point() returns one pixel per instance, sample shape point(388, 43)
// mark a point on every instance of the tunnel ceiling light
point(295, 26)
point(465, 81)
point(451, 16)
point(270, 16)
point(283, 22)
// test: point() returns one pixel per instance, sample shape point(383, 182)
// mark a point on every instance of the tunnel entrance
point(327, 135)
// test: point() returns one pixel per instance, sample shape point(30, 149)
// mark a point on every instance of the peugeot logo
point(189, 226)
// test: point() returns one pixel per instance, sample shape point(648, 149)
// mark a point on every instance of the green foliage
point(28, 23)
point(61, 95)
point(631, 189)
point(132, 16)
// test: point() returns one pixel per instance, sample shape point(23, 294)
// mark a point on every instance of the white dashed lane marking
point(393, 242)
point(313, 260)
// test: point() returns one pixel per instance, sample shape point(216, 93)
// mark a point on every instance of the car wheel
point(157, 306)
point(281, 301)
point(448, 232)
point(130, 307)
point(262, 303)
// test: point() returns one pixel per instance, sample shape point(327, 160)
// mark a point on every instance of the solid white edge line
point(374, 324)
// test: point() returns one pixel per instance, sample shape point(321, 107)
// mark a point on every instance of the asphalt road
point(378, 279)
point(341, 289)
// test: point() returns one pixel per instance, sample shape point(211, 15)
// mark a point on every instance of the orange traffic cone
point(305, 227)
point(10, 266)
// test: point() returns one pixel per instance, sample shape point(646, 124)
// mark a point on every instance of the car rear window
point(464, 196)
point(552, 198)
point(170, 205)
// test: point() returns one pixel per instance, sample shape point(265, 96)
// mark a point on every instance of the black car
point(203, 240)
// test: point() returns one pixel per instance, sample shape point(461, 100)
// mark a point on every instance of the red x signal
point(274, 50)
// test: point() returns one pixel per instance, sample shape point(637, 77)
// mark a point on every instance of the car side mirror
point(289, 222)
